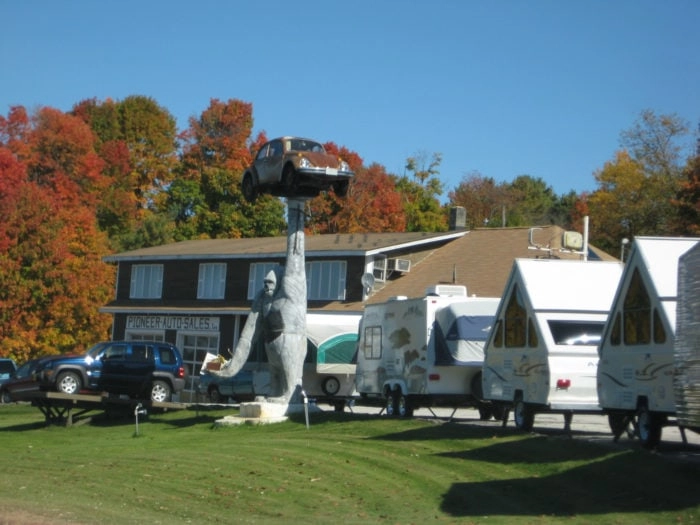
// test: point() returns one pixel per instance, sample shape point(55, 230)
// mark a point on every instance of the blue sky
point(502, 88)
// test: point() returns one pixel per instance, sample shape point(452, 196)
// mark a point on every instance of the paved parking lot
point(589, 427)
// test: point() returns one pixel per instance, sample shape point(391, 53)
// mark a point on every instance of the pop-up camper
point(635, 374)
point(542, 353)
point(686, 351)
point(425, 351)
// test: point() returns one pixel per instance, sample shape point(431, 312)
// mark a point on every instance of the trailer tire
point(330, 386)
point(619, 423)
point(523, 415)
point(403, 406)
point(390, 405)
point(649, 426)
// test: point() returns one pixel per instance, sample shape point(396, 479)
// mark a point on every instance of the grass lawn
point(351, 468)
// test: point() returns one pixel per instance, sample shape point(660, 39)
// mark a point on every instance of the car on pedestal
point(295, 167)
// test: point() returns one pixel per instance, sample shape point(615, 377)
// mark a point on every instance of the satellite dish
point(367, 281)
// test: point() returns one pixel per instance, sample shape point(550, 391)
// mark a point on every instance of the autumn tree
point(49, 240)
point(636, 191)
point(483, 199)
point(687, 202)
point(206, 199)
point(421, 188)
point(372, 205)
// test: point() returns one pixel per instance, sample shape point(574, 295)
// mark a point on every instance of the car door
point(113, 362)
point(138, 368)
point(269, 162)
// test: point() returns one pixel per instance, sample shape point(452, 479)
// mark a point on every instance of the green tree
point(421, 191)
point(532, 202)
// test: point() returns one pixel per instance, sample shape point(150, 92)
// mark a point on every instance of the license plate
point(331, 171)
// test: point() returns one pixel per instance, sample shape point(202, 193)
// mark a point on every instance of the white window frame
point(325, 280)
point(256, 275)
point(211, 281)
point(146, 281)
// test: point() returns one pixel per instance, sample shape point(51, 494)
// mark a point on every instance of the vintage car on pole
point(295, 167)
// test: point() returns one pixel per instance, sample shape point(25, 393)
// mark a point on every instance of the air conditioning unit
point(399, 265)
point(572, 240)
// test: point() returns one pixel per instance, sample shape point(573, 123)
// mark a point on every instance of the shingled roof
point(481, 260)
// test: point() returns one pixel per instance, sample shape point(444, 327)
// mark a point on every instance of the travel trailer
point(425, 351)
point(542, 353)
point(686, 350)
point(635, 375)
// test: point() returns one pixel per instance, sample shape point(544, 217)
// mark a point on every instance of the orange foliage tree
point(52, 279)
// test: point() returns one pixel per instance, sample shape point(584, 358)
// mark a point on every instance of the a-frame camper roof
point(657, 261)
point(553, 284)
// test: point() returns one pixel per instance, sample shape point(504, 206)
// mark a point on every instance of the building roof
point(481, 260)
point(272, 247)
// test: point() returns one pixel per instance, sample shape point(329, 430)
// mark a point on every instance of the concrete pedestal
point(264, 412)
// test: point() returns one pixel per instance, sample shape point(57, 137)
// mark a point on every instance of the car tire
point(5, 397)
point(161, 392)
point(215, 396)
point(69, 383)
point(331, 386)
point(250, 192)
point(290, 180)
point(341, 188)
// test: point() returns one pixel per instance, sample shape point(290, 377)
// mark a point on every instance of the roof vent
point(447, 290)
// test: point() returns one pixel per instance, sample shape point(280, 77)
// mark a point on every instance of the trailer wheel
point(649, 427)
point(330, 386)
point(390, 404)
point(403, 407)
point(619, 423)
point(524, 415)
point(485, 410)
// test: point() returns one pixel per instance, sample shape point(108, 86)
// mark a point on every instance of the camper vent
point(399, 265)
point(447, 290)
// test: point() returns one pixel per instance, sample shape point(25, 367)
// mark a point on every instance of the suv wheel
point(160, 392)
point(68, 383)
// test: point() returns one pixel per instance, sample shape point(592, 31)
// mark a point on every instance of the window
point(615, 331)
point(212, 281)
point(498, 334)
point(372, 344)
point(659, 330)
point(515, 320)
point(146, 281)
point(257, 274)
point(325, 280)
point(576, 333)
point(637, 312)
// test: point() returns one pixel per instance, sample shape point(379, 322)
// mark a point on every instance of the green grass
point(347, 468)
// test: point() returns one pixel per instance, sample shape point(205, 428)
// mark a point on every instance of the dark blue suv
point(138, 369)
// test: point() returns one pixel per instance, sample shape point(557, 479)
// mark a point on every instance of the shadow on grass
point(622, 483)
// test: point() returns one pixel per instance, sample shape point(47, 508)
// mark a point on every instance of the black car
point(21, 382)
point(138, 369)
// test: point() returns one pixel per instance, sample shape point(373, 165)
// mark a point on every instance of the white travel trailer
point(635, 375)
point(686, 377)
point(542, 353)
point(425, 351)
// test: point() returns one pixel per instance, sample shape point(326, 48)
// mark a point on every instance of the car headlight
point(304, 163)
point(344, 166)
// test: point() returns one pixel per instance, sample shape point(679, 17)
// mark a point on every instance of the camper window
point(615, 332)
point(659, 330)
point(515, 320)
point(372, 345)
point(532, 340)
point(498, 334)
point(576, 333)
point(637, 312)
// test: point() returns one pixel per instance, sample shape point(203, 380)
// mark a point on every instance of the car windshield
point(304, 145)
point(95, 351)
